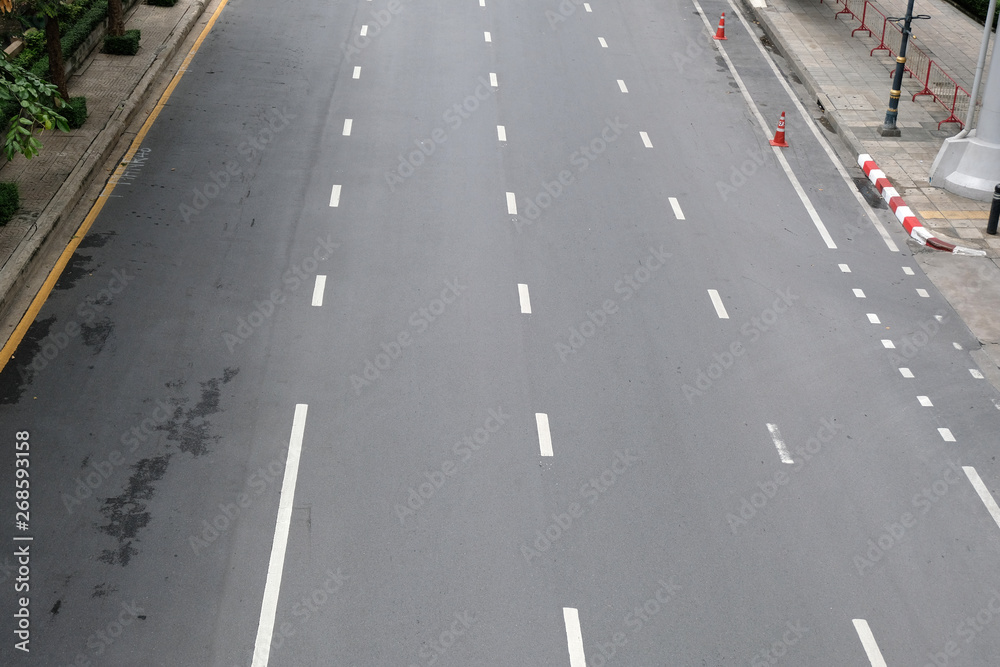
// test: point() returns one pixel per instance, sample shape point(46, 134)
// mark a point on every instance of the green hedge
point(126, 45)
point(976, 9)
point(75, 112)
point(10, 201)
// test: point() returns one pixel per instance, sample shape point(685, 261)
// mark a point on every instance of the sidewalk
point(116, 87)
point(853, 88)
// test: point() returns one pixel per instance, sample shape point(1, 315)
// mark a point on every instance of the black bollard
point(991, 226)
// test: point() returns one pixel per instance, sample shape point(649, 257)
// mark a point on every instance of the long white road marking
point(873, 318)
point(925, 401)
point(859, 293)
point(586, 7)
point(906, 372)
point(604, 44)
point(621, 84)
point(676, 206)
point(799, 190)
point(976, 373)
point(522, 293)
point(922, 292)
point(888, 344)
point(335, 196)
point(511, 204)
point(813, 127)
point(720, 309)
point(357, 71)
point(868, 642)
point(501, 133)
point(318, 291)
point(779, 444)
point(946, 434)
point(907, 270)
point(348, 124)
point(544, 437)
point(984, 493)
point(844, 268)
point(487, 36)
point(493, 79)
point(364, 30)
point(645, 140)
point(276, 565)
point(574, 637)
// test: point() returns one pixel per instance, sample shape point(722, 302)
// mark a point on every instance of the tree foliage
point(35, 113)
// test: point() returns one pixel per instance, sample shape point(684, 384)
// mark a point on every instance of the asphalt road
point(696, 449)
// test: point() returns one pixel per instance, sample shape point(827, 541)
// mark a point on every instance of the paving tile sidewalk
point(854, 88)
point(115, 87)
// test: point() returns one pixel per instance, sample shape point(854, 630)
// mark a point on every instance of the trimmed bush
point(126, 45)
point(10, 201)
point(163, 3)
point(75, 112)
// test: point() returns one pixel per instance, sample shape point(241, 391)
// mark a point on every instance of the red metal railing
point(936, 82)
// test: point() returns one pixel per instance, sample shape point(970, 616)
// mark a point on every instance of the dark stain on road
point(190, 428)
point(96, 240)
point(78, 267)
point(96, 335)
point(127, 514)
point(16, 374)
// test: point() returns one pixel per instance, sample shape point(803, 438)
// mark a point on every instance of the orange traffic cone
point(721, 32)
point(779, 135)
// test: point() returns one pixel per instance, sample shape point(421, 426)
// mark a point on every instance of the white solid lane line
point(720, 309)
point(984, 493)
point(586, 6)
point(645, 140)
point(501, 133)
point(779, 444)
point(922, 292)
point(946, 434)
point(868, 642)
point(604, 44)
point(844, 268)
point(907, 270)
point(318, 291)
point(357, 72)
point(574, 637)
point(676, 206)
point(888, 344)
point(511, 204)
point(276, 565)
point(522, 293)
point(544, 436)
point(925, 401)
point(493, 79)
point(487, 36)
point(621, 84)
point(364, 30)
point(873, 318)
point(348, 124)
point(859, 293)
point(906, 372)
point(335, 196)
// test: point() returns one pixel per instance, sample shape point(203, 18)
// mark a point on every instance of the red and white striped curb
point(904, 214)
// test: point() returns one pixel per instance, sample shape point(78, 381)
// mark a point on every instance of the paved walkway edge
point(14, 271)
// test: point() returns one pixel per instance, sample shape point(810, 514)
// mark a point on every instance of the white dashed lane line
point(621, 85)
point(888, 344)
point(493, 79)
point(318, 291)
point(276, 564)
point(676, 206)
point(522, 293)
point(364, 30)
point(586, 7)
point(511, 204)
point(844, 268)
point(957, 346)
point(906, 372)
point(544, 436)
point(335, 196)
point(574, 637)
point(869, 643)
point(604, 44)
point(873, 318)
point(720, 309)
point(922, 292)
point(645, 140)
point(348, 124)
point(976, 373)
point(925, 401)
point(501, 133)
point(859, 293)
point(487, 36)
point(907, 270)
point(357, 72)
point(946, 434)
point(779, 444)
point(984, 493)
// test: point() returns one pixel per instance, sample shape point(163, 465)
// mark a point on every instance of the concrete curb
point(905, 215)
point(16, 269)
